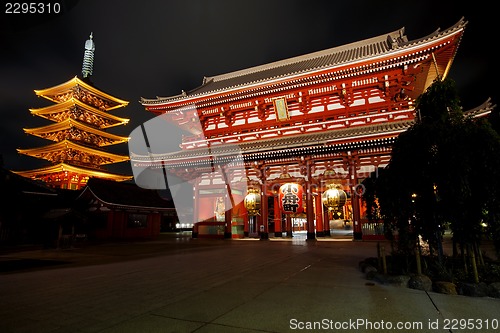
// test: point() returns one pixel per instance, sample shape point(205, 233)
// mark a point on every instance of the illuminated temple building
point(80, 117)
point(303, 126)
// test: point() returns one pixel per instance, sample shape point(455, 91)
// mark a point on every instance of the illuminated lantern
point(334, 198)
point(291, 198)
point(252, 202)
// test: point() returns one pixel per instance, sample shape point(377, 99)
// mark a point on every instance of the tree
point(442, 169)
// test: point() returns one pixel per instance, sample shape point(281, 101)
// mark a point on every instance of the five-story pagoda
point(81, 115)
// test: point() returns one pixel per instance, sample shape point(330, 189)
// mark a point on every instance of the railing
point(372, 230)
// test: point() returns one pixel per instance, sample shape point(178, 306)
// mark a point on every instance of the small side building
point(121, 210)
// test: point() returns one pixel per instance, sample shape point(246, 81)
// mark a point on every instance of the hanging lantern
point(334, 198)
point(290, 198)
point(252, 202)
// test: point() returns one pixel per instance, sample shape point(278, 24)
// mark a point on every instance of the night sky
point(160, 47)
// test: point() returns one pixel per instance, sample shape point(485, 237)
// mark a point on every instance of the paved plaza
point(180, 284)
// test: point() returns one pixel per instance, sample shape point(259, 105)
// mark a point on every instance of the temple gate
point(319, 120)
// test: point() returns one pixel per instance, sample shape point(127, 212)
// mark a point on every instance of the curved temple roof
point(48, 111)
point(60, 146)
point(375, 47)
point(62, 167)
point(68, 86)
point(127, 195)
point(68, 124)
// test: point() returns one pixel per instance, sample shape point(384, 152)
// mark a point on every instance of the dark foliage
point(444, 170)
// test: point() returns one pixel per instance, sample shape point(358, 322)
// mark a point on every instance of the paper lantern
point(291, 198)
point(252, 202)
point(334, 198)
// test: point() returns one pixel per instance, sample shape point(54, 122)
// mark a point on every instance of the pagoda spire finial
point(88, 57)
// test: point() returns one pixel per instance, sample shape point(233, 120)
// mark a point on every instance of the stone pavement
point(179, 284)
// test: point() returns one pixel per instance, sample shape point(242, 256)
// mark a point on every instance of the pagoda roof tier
point(83, 91)
point(64, 167)
point(75, 153)
point(434, 52)
point(357, 137)
point(75, 131)
point(75, 109)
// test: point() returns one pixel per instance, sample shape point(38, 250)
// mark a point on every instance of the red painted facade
point(322, 118)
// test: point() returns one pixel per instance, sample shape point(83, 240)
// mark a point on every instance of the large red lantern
point(290, 198)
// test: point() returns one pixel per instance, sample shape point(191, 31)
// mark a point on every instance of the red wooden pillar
point(353, 166)
point(356, 216)
point(228, 233)
point(194, 233)
point(319, 216)
point(245, 225)
point(277, 218)
point(288, 225)
point(264, 211)
point(264, 232)
point(311, 231)
point(311, 234)
point(68, 181)
point(326, 220)
point(257, 223)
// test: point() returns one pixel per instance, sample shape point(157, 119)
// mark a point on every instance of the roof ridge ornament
point(88, 57)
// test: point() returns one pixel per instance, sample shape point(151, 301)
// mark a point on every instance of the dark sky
point(160, 47)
